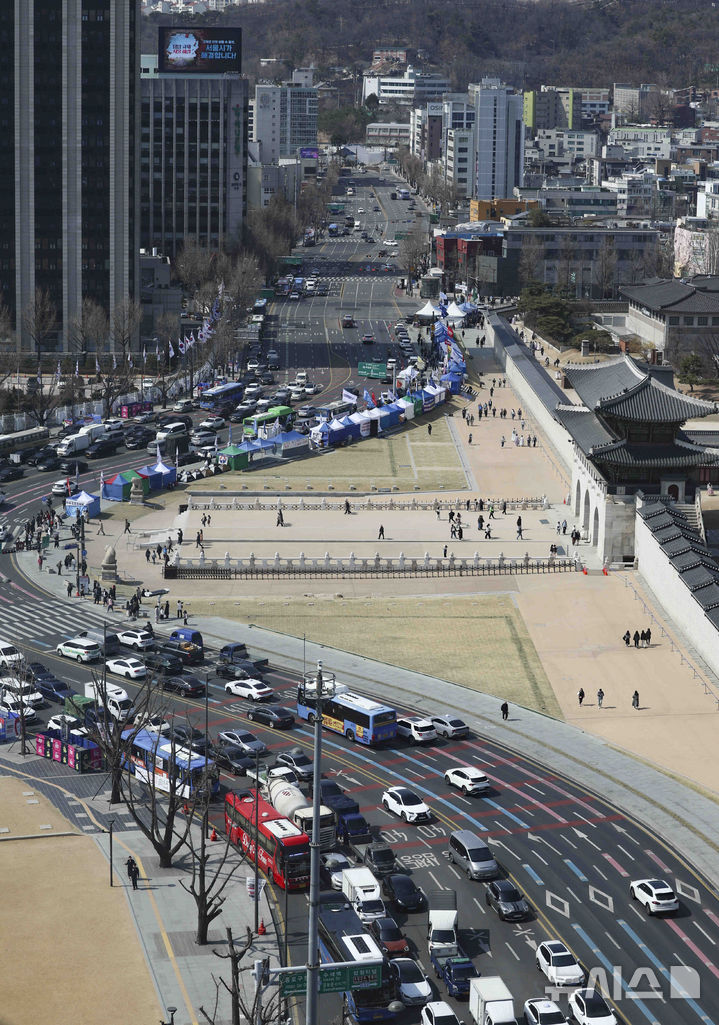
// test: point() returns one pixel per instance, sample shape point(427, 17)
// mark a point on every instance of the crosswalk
point(46, 621)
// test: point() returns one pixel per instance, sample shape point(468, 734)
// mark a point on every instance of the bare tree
point(207, 887)
point(604, 268)
point(40, 320)
point(531, 261)
point(7, 334)
point(566, 266)
point(256, 1010)
point(413, 254)
point(90, 330)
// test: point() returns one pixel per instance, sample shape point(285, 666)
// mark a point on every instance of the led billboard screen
point(200, 51)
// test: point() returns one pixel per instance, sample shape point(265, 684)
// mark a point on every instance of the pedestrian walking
point(480, 522)
point(130, 863)
point(636, 638)
point(469, 440)
point(348, 507)
point(380, 535)
point(429, 430)
point(450, 516)
point(147, 555)
point(504, 707)
point(600, 697)
point(488, 532)
point(643, 639)
point(59, 567)
point(209, 519)
point(69, 589)
point(580, 696)
point(564, 526)
point(198, 539)
point(167, 610)
point(101, 529)
point(627, 638)
point(134, 874)
point(444, 553)
point(635, 700)
point(157, 613)
point(203, 520)
point(649, 637)
point(127, 527)
point(491, 512)
point(502, 441)
point(178, 610)
point(559, 526)
point(460, 533)
point(184, 617)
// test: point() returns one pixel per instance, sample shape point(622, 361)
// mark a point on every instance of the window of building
point(702, 321)
point(688, 321)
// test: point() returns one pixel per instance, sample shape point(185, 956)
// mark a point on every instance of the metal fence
point(247, 503)
point(372, 566)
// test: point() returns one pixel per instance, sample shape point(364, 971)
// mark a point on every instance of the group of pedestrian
point(162, 611)
point(206, 520)
point(641, 639)
point(600, 698)
point(133, 872)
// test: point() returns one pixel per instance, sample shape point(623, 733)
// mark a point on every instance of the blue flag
point(368, 399)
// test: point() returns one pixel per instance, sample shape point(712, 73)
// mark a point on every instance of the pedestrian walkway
point(140, 942)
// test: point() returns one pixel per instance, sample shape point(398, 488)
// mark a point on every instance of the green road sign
point(333, 979)
point(293, 983)
point(372, 370)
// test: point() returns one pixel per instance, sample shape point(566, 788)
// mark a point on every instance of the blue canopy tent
point(153, 476)
point(338, 432)
point(468, 307)
point(453, 381)
point(169, 473)
point(292, 441)
point(353, 428)
point(320, 435)
point(81, 503)
point(393, 414)
point(429, 400)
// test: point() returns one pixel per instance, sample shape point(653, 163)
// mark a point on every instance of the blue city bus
point(333, 230)
point(354, 716)
point(342, 938)
point(153, 758)
point(222, 396)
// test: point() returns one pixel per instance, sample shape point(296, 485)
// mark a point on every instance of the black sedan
point(101, 449)
point(138, 439)
point(162, 665)
point(403, 892)
point(187, 686)
point(47, 463)
point(240, 669)
point(504, 898)
point(53, 689)
point(274, 716)
point(234, 759)
point(74, 466)
point(184, 735)
point(8, 473)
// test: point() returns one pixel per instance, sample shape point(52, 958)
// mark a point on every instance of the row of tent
point(238, 457)
point(370, 422)
point(451, 312)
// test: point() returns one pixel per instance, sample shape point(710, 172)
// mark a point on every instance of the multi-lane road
point(572, 853)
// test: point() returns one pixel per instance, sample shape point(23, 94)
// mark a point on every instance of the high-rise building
point(69, 103)
point(498, 139)
point(285, 118)
point(193, 148)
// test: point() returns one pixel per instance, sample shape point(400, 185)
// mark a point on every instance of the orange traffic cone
point(213, 834)
point(261, 930)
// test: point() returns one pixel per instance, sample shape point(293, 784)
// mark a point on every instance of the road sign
point(293, 983)
point(372, 370)
point(333, 979)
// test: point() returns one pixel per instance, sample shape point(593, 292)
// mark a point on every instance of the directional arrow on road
point(498, 843)
point(540, 839)
point(620, 829)
point(583, 836)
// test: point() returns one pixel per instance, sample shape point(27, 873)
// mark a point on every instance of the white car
point(252, 391)
point(360, 209)
point(252, 364)
point(253, 690)
point(64, 487)
point(29, 695)
point(416, 729)
point(140, 640)
point(587, 1007)
point(540, 1011)
point(403, 802)
point(654, 895)
point(212, 423)
point(130, 668)
point(370, 910)
point(152, 724)
point(450, 726)
point(58, 721)
point(331, 867)
point(437, 1012)
point(414, 986)
point(79, 648)
point(200, 438)
point(10, 702)
point(467, 779)
point(559, 964)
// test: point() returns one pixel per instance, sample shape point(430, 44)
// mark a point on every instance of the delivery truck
point(490, 1002)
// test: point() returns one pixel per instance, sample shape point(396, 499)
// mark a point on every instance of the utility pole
point(323, 685)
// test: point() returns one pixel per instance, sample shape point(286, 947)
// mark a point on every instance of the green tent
point(233, 457)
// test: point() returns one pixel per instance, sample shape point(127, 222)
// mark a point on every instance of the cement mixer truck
point(289, 801)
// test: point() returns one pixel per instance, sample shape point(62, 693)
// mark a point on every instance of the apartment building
point(498, 139)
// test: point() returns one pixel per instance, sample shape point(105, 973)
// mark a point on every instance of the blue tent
point(338, 432)
point(83, 502)
point(169, 473)
point(429, 400)
point(353, 428)
point(457, 367)
point(394, 414)
point(453, 382)
point(153, 476)
point(468, 307)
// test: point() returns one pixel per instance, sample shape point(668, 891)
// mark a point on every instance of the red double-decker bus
point(283, 850)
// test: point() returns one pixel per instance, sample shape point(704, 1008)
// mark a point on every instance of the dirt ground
point(74, 924)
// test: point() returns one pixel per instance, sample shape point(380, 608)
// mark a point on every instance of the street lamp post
point(256, 839)
point(323, 684)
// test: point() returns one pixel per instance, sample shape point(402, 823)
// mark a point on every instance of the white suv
point(80, 649)
point(9, 655)
point(417, 730)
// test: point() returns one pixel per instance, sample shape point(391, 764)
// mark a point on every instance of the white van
point(94, 431)
point(183, 406)
point(72, 445)
point(171, 430)
point(300, 378)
